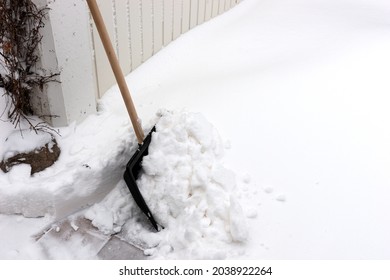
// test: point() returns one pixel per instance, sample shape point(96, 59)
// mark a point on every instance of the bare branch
point(21, 22)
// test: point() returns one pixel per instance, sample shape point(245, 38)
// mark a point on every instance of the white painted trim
point(66, 46)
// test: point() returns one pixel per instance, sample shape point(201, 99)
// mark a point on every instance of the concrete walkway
point(77, 238)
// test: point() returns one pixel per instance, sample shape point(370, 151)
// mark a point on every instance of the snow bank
point(91, 163)
point(188, 190)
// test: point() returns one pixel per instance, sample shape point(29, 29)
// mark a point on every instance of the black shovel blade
point(133, 168)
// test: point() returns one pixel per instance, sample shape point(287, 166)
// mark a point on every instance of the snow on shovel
point(134, 165)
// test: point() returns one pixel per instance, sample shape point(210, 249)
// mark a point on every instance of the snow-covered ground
point(298, 91)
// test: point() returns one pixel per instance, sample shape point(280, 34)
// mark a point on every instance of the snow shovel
point(134, 165)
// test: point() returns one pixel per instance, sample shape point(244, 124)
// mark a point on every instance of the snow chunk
point(238, 226)
point(110, 215)
point(246, 178)
point(251, 213)
point(269, 189)
point(281, 198)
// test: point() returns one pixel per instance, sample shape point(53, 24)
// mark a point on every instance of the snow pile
point(187, 189)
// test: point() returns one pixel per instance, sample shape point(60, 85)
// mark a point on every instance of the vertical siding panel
point(147, 29)
point(157, 25)
point(168, 22)
point(104, 80)
point(100, 61)
point(215, 8)
point(208, 10)
point(201, 11)
point(122, 28)
point(177, 7)
point(185, 17)
point(193, 13)
point(135, 33)
point(221, 7)
point(114, 19)
point(227, 5)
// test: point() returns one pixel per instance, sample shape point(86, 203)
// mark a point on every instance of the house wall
point(138, 29)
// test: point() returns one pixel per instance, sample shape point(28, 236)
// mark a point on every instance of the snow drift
point(187, 188)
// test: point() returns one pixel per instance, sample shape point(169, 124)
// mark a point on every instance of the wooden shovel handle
point(120, 79)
